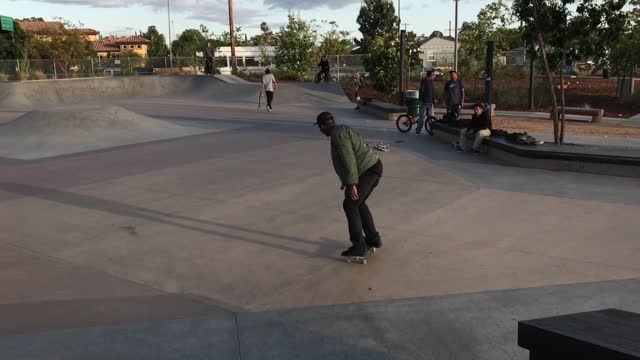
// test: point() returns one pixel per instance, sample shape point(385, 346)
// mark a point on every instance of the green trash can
point(413, 102)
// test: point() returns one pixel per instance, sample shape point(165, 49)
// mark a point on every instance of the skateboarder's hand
point(354, 193)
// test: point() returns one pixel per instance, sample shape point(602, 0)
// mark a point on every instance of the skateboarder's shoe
point(353, 251)
point(374, 244)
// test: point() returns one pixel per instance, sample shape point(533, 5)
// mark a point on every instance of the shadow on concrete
point(125, 210)
point(489, 173)
point(42, 316)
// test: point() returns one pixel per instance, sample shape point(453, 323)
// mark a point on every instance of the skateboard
point(382, 147)
point(360, 259)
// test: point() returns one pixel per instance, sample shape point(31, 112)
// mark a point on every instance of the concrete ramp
point(30, 95)
point(47, 133)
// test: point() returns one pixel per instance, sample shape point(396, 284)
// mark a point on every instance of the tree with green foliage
point(379, 29)
point(224, 39)
point(12, 44)
point(295, 47)
point(436, 34)
point(66, 45)
point(412, 54)
point(189, 43)
point(382, 64)
point(624, 57)
point(334, 41)
point(565, 34)
point(493, 23)
point(376, 18)
point(264, 39)
point(158, 43)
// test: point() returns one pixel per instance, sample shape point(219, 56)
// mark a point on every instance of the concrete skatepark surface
point(225, 245)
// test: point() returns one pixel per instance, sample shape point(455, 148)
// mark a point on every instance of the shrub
point(287, 75)
point(632, 100)
point(4, 77)
point(37, 75)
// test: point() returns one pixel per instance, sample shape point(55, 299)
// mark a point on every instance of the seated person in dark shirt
point(480, 127)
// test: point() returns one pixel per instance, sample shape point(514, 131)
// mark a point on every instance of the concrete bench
point(604, 334)
point(383, 110)
point(612, 161)
point(596, 114)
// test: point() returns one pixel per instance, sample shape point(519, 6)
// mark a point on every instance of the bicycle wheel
point(427, 125)
point(404, 123)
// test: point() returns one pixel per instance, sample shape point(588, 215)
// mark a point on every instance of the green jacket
point(351, 156)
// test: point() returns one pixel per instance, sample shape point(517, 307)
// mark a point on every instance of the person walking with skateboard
point(359, 170)
point(269, 86)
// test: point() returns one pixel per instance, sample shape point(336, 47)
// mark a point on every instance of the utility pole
point(169, 18)
point(232, 32)
point(455, 46)
point(399, 18)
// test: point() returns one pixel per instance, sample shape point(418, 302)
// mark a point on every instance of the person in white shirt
point(269, 85)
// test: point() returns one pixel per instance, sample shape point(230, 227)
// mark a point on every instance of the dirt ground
point(586, 92)
point(534, 126)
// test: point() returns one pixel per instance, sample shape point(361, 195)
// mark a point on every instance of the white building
point(438, 52)
point(248, 58)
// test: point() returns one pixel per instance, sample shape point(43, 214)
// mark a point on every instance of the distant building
point(438, 52)
point(249, 58)
point(113, 46)
point(89, 34)
point(44, 29)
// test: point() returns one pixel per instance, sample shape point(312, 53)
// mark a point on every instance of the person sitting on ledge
point(480, 126)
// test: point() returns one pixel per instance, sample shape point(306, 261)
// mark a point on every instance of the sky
point(126, 17)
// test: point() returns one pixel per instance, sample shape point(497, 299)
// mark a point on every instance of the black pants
point(455, 110)
point(208, 66)
point(358, 214)
point(269, 98)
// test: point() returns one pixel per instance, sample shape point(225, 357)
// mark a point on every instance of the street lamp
point(232, 32)
point(455, 45)
point(169, 20)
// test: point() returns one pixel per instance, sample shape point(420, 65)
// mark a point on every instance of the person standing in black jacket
point(480, 127)
point(208, 53)
point(427, 99)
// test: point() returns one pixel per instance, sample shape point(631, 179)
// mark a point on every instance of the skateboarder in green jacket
point(359, 170)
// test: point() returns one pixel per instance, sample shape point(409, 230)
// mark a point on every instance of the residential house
point(44, 29)
point(113, 46)
point(438, 52)
point(89, 34)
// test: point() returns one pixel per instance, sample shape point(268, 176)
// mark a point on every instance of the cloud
point(307, 4)
point(218, 12)
point(206, 10)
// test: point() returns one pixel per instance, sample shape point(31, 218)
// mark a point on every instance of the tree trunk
point(554, 100)
point(562, 99)
point(564, 63)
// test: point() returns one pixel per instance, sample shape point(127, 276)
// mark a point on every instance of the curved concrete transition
point(226, 245)
point(46, 93)
point(46, 133)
